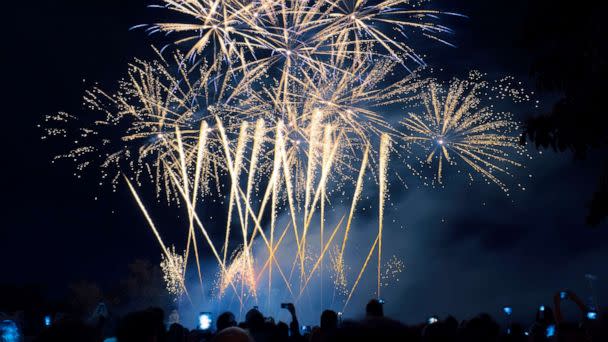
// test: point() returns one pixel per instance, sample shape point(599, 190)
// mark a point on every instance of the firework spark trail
point(385, 144)
point(271, 259)
point(356, 196)
point(156, 233)
point(320, 258)
point(264, 238)
point(363, 268)
point(290, 197)
point(267, 195)
point(273, 252)
point(312, 157)
point(201, 145)
point(204, 231)
point(235, 171)
point(322, 232)
point(250, 210)
point(186, 186)
point(325, 152)
point(258, 139)
point(325, 169)
point(275, 193)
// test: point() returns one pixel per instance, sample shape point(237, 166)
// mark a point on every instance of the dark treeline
point(569, 48)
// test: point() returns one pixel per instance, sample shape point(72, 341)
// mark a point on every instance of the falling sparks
point(172, 267)
point(239, 271)
point(392, 271)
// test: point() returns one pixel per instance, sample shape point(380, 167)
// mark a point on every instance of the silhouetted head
point(435, 332)
point(374, 309)
point(329, 320)
point(481, 328)
point(254, 320)
point(68, 330)
point(545, 316)
point(232, 334)
point(282, 331)
point(177, 332)
point(518, 331)
point(569, 331)
point(451, 324)
point(141, 326)
point(225, 320)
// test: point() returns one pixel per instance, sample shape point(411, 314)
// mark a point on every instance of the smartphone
point(591, 315)
point(433, 320)
point(204, 321)
point(541, 308)
point(507, 310)
point(47, 321)
point(563, 295)
point(381, 301)
point(284, 305)
point(306, 329)
point(550, 331)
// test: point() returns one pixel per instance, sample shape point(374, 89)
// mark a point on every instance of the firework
point(285, 40)
point(301, 28)
point(134, 130)
point(278, 107)
point(460, 123)
point(172, 266)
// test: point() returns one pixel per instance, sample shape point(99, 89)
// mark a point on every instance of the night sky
point(467, 248)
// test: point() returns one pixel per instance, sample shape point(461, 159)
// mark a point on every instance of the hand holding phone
point(289, 307)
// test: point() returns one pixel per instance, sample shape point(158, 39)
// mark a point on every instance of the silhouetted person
point(254, 320)
point(451, 325)
point(281, 332)
point(142, 326)
point(435, 332)
point(225, 320)
point(256, 325)
point(480, 329)
point(329, 324)
point(329, 320)
point(294, 325)
point(177, 333)
point(517, 334)
point(232, 334)
point(374, 309)
point(69, 331)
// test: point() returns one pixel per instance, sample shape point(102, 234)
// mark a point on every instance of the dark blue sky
point(467, 248)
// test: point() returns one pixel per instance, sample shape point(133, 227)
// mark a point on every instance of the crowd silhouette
point(151, 325)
